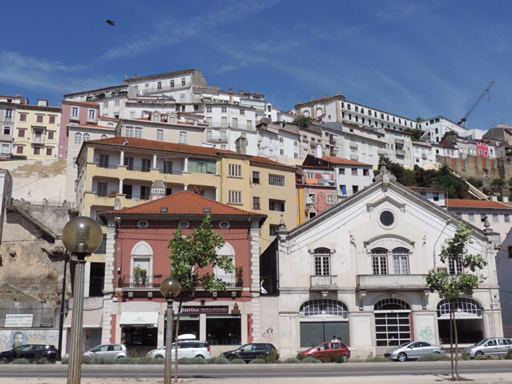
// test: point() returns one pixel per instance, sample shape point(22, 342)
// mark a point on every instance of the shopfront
point(139, 331)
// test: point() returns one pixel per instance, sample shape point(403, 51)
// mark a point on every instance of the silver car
point(190, 348)
point(495, 346)
point(110, 351)
point(413, 350)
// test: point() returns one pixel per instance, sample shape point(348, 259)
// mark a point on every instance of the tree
point(303, 121)
point(497, 185)
point(461, 279)
point(190, 255)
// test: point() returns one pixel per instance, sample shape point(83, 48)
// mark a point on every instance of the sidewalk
point(497, 378)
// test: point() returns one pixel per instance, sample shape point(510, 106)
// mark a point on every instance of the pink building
point(482, 149)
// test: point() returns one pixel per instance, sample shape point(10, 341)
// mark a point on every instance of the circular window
point(387, 218)
point(183, 224)
point(224, 224)
point(143, 224)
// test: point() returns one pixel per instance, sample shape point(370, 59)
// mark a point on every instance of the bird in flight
point(110, 22)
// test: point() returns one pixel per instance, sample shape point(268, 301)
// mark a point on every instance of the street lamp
point(170, 288)
point(81, 237)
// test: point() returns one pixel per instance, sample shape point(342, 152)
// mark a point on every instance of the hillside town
point(332, 213)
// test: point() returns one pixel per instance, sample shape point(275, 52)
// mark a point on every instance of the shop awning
point(92, 319)
point(139, 319)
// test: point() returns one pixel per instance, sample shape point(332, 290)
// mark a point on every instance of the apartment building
point(120, 171)
point(37, 131)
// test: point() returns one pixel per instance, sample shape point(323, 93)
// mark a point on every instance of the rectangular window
point(343, 189)
point(380, 265)
point(234, 170)
point(495, 219)
point(92, 114)
point(160, 135)
point(224, 109)
point(49, 151)
point(366, 172)
point(37, 150)
point(128, 161)
point(401, 265)
point(436, 196)
point(507, 218)
point(20, 149)
point(202, 166)
point(322, 266)
point(183, 82)
point(224, 122)
point(249, 124)
point(255, 177)
point(51, 120)
point(183, 137)
point(276, 180)
point(23, 117)
point(8, 113)
point(102, 189)
point(146, 165)
point(105, 104)
point(172, 83)
point(256, 203)
point(159, 85)
point(50, 135)
point(138, 132)
point(116, 103)
point(145, 192)
point(471, 217)
point(455, 266)
point(276, 205)
point(354, 171)
point(235, 122)
point(242, 111)
point(168, 167)
point(39, 118)
point(7, 130)
point(132, 115)
point(331, 199)
point(104, 160)
point(341, 171)
point(234, 197)
point(128, 131)
point(208, 109)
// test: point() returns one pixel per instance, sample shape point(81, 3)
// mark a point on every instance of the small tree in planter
point(140, 276)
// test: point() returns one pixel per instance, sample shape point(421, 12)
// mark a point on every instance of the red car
point(329, 352)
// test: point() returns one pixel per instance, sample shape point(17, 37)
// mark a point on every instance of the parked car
point(329, 352)
point(107, 351)
point(495, 346)
point(189, 348)
point(31, 352)
point(413, 350)
point(249, 352)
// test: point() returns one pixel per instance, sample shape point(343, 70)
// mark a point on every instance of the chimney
point(230, 95)
point(157, 190)
point(319, 153)
point(42, 103)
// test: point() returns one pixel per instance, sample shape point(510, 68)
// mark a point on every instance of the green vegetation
point(433, 357)
point(477, 183)
point(443, 179)
point(303, 121)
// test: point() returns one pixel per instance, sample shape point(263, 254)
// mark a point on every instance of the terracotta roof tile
point(337, 160)
point(264, 160)
point(183, 203)
point(480, 204)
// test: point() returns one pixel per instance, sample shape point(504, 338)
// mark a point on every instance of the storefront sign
point(15, 321)
point(207, 310)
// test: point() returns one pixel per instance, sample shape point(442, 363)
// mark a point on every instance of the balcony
point(400, 152)
point(399, 141)
point(38, 139)
point(353, 145)
point(354, 157)
point(333, 139)
point(381, 152)
point(218, 139)
point(324, 282)
point(391, 282)
point(128, 283)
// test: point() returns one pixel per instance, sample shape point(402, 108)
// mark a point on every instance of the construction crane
point(462, 121)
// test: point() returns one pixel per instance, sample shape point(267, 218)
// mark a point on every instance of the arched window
point(392, 322)
point(380, 261)
point(103, 136)
point(141, 264)
point(401, 261)
point(466, 308)
point(324, 307)
point(78, 138)
point(322, 262)
point(86, 136)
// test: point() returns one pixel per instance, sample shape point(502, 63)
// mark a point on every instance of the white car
point(186, 348)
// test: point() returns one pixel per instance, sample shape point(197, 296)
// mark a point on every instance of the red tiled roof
point(414, 188)
point(481, 204)
point(91, 104)
point(184, 203)
point(159, 145)
point(109, 118)
point(264, 160)
point(337, 160)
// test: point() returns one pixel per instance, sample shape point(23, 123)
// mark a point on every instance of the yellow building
point(37, 131)
point(124, 172)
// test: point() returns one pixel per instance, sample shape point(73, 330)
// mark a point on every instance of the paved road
point(256, 371)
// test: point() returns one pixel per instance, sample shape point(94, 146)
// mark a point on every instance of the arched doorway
point(468, 314)
point(392, 322)
point(322, 319)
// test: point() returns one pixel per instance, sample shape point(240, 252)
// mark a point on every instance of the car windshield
point(405, 344)
point(481, 342)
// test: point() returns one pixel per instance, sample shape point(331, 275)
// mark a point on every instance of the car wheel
point(4, 360)
point(159, 357)
point(479, 353)
point(402, 357)
point(120, 357)
point(344, 359)
point(199, 357)
point(230, 358)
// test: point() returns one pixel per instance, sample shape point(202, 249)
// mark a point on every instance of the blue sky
point(412, 58)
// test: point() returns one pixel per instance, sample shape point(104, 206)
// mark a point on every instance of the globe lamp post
point(170, 288)
point(81, 237)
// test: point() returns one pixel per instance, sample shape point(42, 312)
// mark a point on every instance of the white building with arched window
point(358, 271)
